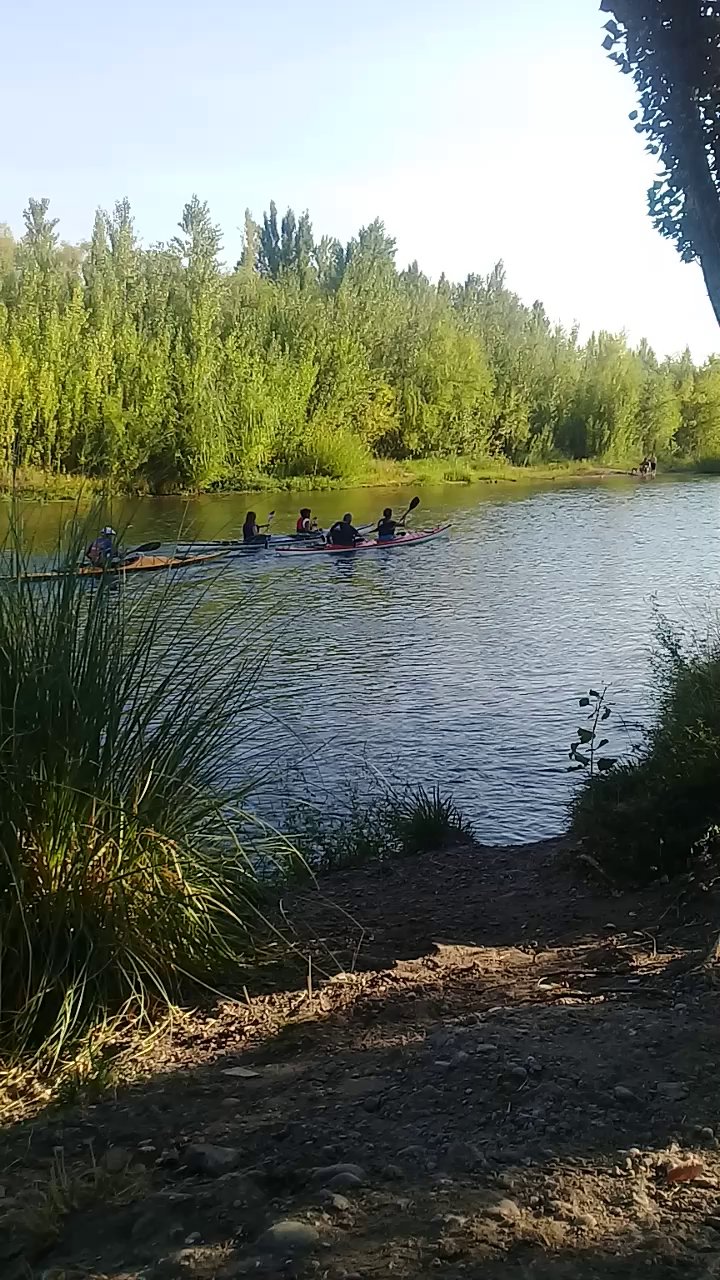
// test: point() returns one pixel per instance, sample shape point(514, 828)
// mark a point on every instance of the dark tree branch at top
point(672, 50)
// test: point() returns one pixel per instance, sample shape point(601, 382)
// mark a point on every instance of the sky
point(476, 129)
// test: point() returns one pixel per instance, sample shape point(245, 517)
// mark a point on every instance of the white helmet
point(109, 531)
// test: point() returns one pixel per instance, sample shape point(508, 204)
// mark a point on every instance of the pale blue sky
point(477, 129)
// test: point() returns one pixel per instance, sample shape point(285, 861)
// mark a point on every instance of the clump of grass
point(395, 824)
point(128, 865)
point(650, 816)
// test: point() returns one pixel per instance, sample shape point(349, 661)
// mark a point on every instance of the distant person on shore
point(306, 522)
point(251, 530)
point(653, 465)
point(343, 533)
point(104, 549)
point(387, 527)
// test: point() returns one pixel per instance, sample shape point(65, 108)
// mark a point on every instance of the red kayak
point(367, 544)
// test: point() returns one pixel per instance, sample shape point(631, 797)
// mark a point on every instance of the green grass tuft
point(128, 864)
point(395, 824)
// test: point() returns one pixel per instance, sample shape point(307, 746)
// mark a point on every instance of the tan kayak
point(143, 564)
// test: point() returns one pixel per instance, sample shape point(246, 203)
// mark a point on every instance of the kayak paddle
point(415, 503)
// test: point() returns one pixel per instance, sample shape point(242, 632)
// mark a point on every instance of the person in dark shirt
point(387, 527)
point(343, 533)
point(251, 530)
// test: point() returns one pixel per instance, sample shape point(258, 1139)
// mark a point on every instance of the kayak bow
point(368, 544)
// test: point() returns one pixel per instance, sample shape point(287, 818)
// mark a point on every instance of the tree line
point(158, 367)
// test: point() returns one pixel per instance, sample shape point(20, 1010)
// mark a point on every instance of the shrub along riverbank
point(658, 813)
point(162, 370)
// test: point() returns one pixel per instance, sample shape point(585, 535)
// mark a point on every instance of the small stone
point(202, 1157)
point(586, 1220)
point(344, 1182)
point(116, 1159)
point(329, 1171)
point(517, 1074)
point(193, 1238)
point(622, 1094)
point(707, 1133)
point(288, 1238)
point(463, 1157)
point(332, 1200)
point(506, 1209)
point(393, 1172)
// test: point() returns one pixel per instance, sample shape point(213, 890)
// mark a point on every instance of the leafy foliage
point(672, 50)
point(159, 368)
point(650, 816)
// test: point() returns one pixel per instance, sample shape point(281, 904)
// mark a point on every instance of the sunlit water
point(460, 662)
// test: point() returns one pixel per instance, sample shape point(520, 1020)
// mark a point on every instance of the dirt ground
point(483, 1067)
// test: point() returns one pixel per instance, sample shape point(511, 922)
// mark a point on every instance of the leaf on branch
point(584, 702)
point(585, 735)
point(594, 693)
point(581, 758)
point(607, 711)
point(608, 43)
point(606, 762)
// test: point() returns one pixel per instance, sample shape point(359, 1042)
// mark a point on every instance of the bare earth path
point(516, 1066)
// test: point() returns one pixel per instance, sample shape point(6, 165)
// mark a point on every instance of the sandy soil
point(519, 1068)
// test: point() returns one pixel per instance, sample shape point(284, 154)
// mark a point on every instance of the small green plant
point(395, 824)
point(585, 749)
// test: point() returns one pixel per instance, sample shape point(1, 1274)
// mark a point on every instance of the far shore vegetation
point(307, 364)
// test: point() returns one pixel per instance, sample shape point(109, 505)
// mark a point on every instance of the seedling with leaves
point(585, 750)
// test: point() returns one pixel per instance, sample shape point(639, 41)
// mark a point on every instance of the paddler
point(343, 533)
point(306, 522)
point(252, 530)
point(387, 527)
point(104, 549)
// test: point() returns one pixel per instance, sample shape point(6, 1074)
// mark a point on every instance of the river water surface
point(460, 662)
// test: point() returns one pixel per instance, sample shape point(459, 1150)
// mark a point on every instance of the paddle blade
point(415, 503)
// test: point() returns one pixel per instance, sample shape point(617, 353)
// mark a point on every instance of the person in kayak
point(252, 530)
point(306, 522)
point(387, 527)
point(343, 533)
point(104, 549)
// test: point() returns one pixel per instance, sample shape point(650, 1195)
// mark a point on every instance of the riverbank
point(478, 1063)
point(51, 487)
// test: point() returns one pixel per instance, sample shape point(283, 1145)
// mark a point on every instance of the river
point(458, 663)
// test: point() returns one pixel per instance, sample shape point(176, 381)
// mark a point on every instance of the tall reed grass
point(128, 863)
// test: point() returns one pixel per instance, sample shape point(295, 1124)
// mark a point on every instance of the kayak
point(368, 544)
point(235, 546)
point(143, 564)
